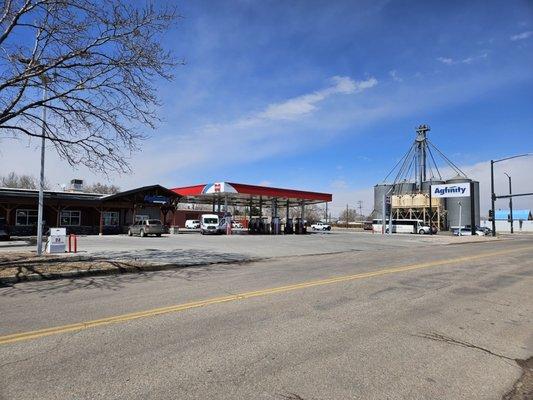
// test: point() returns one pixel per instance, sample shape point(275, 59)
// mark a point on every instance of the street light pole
point(492, 197)
point(41, 179)
point(460, 215)
point(510, 201)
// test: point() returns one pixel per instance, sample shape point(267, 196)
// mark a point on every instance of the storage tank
point(427, 184)
point(379, 192)
point(420, 200)
point(404, 188)
point(452, 204)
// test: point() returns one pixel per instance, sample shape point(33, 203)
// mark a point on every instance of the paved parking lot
point(193, 246)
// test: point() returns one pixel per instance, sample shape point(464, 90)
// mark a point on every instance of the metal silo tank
point(427, 184)
point(452, 204)
point(404, 188)
point(379, 192)
point(425, 189)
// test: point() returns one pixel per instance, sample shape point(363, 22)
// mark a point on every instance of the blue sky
point(325, 95)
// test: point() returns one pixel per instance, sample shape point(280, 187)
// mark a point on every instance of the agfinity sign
point(451, 190)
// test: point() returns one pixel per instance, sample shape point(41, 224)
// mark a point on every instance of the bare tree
point(313, 213)
point(13, 180)
point(98, 61)
point(349, 215)
point(102, 188)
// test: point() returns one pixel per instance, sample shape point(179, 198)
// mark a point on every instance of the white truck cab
point(320, 226)
point(209, 224)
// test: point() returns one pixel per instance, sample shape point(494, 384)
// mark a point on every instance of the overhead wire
point(398, 163)
point(434, 162)
point(450, 162)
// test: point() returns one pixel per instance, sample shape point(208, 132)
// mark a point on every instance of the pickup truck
point(320, 226)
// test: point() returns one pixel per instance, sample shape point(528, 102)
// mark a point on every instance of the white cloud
point(446, 60)
point(394, 75)
point(305, 104)
point(467, 60)
point(522, 36)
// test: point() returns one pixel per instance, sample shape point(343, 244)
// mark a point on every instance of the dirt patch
point(523, 388)
point(21, 266)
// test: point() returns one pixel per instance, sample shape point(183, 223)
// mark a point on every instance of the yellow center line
point(21, 336)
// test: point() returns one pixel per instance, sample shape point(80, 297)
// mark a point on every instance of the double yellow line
point(18, 337)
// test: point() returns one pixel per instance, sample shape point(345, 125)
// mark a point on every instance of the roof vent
point(76, 184)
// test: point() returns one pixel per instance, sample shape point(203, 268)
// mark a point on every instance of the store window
point(110, 218)
point(70, 218)
point(26, 217)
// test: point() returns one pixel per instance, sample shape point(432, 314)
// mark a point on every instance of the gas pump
point(276, 226)
point(298, 226)
point(265, 226)
point(289, 228)
point(253, 226)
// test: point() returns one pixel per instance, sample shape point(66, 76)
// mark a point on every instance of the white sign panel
point(57, 240)
point(218, 187)
point(451, 190)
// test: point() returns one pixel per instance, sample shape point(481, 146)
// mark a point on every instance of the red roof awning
point(243, 194)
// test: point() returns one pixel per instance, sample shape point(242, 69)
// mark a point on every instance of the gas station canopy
point(238, 194)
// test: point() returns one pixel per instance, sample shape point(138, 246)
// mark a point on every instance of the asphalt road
point(435, 321)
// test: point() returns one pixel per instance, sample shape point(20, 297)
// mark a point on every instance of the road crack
point(447, 339)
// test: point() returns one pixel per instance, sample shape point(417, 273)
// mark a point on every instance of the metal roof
point(241, 194)
point(92, 197)
point(141, 190)
point(517, 215)
point(48, 194)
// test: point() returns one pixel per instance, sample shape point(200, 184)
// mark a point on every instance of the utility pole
point(346, 216)
point(40, 209)
point(510, 201)
point(360, 205)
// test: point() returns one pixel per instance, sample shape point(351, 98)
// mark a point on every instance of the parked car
point(209, 224)
point(236, 225)
point(468, 232)
point(192, 224)
point(367, 226)
point(4, 229)
point(146, 227)
point(320, 226)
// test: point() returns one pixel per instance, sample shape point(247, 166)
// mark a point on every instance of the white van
point(209, 223)
point(192, 224)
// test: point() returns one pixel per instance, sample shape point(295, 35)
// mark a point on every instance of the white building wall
point(505, 226)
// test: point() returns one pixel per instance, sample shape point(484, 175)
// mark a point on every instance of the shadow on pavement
point(177, 264)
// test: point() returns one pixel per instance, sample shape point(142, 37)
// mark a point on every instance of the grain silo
point(460, 208)
point(409, 189)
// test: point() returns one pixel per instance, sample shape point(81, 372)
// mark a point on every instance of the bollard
point(72, 243)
